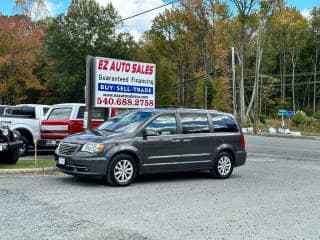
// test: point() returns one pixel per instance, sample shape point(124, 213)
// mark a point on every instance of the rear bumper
point(50, 143)
point(240, 158)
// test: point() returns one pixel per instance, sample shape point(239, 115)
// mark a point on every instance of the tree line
point(276, 54)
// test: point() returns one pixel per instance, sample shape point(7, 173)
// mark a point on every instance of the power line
point(147, 11)
point(117, 22)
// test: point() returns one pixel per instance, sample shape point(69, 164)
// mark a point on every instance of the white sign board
point(124, 84)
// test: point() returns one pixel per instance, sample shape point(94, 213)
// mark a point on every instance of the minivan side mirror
point(148, 132)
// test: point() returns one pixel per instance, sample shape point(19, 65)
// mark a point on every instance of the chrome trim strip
point(54, 128)
point(174, 163)
point(181, 155)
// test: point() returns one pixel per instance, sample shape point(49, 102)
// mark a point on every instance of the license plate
point(62, 160)
point(3, 147)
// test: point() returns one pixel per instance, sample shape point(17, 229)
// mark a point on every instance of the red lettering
point(100, 64)
point(103, 64)
point(139, 68)
point(112, 68)
point(151, 69)
point(118, 66)
point(134, 68)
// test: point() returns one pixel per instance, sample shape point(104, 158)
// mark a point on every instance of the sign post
point(290, 114)
point(88, 93)
point(282, 112)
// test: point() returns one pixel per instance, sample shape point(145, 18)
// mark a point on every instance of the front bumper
point(88, 166)
point(241, 157)
point(10, 146)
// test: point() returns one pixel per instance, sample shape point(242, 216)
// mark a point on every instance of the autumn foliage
point(18, 83)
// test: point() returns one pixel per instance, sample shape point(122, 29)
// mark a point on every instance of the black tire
point(122, 170)
point(25, 147)
point(222, 166)
point(11, 157)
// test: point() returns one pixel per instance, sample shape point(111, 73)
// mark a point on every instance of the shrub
point(300, 117)
point(316, 115)
point(262, 118)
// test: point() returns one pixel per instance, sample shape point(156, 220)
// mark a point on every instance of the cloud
point(53, 8)
point(306, 13)
point(126, 8)
point(38, 11)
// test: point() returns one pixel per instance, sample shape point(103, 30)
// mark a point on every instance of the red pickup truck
point(67, 118)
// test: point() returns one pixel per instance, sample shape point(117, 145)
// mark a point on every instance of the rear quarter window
point(97, 113)
point(223, 123)
point(60, 114)
point(28, 112)
point(194, 123)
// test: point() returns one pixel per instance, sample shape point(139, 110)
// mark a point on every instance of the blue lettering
point(105, 87)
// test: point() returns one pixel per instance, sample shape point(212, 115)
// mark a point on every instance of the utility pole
point(234, 84)
point(206, 97)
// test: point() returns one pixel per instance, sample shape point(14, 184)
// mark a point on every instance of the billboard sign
point(124, 84)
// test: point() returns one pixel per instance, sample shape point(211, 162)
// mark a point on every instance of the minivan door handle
point(187, 140)
point(175, 140)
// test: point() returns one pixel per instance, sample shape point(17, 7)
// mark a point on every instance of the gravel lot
point(271, 197)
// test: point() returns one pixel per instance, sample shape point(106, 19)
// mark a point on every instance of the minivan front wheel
point(122, 170)
point(223, 166)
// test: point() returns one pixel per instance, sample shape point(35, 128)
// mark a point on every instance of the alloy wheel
point(123, 171)
point(224, 165)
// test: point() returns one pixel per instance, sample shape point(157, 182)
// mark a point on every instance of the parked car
point(9, 145)
point(26, 119)
point(151, 141)
point(66, 119)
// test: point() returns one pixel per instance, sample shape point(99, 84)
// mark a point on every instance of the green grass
point(41, 163)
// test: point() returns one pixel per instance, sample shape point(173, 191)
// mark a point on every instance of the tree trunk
point(242, 100)
point(315, 81)
point(259, 52)
point(293, 80)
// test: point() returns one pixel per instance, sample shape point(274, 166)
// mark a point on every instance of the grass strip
point(41, 163)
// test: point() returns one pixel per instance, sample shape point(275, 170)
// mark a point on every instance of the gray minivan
point(153, 141)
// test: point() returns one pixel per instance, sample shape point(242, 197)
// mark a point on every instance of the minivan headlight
point(92, 147)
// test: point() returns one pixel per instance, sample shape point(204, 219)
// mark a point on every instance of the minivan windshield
point(128, 123)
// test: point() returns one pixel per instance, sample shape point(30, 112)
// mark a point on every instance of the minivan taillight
point(243, 143)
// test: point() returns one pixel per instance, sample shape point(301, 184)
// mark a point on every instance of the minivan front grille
point(68, 148)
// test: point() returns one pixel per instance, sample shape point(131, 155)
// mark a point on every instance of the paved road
point(272, 197)
point(295, 148)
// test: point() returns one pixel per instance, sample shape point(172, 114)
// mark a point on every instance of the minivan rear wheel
point(223, 165)
point(122, 170)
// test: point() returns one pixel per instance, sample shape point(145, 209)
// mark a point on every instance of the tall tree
point(296, 38)
point(264, 18)
point(34, 9)
point(86, 29)
point(315, 33)
point(194, 38)
point(19, 50)
point(279, 42)
point(241, 34)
